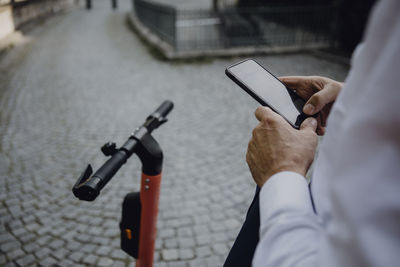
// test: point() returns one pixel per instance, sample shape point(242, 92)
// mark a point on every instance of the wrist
point(294, 169)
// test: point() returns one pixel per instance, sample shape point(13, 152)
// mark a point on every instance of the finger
point(309, 124)
point(302, 85)
point(318, 100)
point(294, 82)
point(265, 114)
point(320, 131)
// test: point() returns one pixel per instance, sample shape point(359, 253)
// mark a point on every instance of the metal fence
point(189, 30)
point(160, 18)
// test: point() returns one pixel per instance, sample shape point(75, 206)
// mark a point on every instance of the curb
point(170, 53)
point(11, 40)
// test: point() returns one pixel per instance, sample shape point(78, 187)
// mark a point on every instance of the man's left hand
point(276, 146)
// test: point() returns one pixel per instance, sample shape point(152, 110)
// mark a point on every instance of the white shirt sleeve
point(356, 179)
point(287, 224)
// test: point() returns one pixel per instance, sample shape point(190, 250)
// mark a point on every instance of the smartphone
point(268, 90)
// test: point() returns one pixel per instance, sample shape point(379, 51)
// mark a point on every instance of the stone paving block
point(160, 264)
point(186, 254)
point(232, 224)
point(28, 219)
point(41, 253)
point(119, 255)
point(66, 263)
point(57, 231)
point(176, 264)
point(76, 256)
point(166, 233)
point(214, 262)
point(3, 259)
point(89, 248)
point(60, 253)
point(48, 262)
point(171, 243)
point(201, 230)
point(103, 250)
point(90, 259)
point(204, 251)
point(43, 240)
point(82, 228)
point(118, 263)
point(73, 245)
point(220, 249)
point(201, 220)
point(169, 254)
point(31, 247)
point(68, 236)
point(10, 245)
point(159, 244)
point(4, 237)
point(16, 212)
point(10, 202)
point(174, 223)
point(10, 264)
point(197, 263)
point(55, 244)
point(15, 254)
point(6, 218)
point(220, 237)
point(26, 238)
point(203, 240)
point(217, 227)
point(43, 230)
point(115, 243)
point(26, 260)
point(105, 262)
point(186, 242)
point(95, 231)
point(101, 240)
point(19, 231)
point(111, 232)
point(84, 238)
point(185, 232)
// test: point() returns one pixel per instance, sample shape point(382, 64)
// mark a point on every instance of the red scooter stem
point(149, 197)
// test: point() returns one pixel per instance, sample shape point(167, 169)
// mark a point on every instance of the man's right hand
point(319, 92)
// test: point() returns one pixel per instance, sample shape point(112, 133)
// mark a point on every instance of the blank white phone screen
point(267, 87)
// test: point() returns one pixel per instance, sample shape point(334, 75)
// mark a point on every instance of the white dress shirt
point(356, 180)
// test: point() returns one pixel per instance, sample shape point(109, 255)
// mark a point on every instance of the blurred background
point(77, 74)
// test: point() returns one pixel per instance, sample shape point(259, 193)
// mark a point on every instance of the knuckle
point(317, 98)
point(254, 133)
point(259, 129)
point(264, 114)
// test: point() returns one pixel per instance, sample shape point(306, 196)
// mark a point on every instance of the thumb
point(309, 123)
point(318, 100)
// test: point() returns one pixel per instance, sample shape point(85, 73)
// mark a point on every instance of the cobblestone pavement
point(85, 79)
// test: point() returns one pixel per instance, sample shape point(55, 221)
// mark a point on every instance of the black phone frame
point(292, 94)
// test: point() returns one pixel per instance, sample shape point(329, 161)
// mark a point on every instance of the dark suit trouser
point(242, 251)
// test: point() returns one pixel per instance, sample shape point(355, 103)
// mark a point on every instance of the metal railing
point(160, 18)
point(189, 30)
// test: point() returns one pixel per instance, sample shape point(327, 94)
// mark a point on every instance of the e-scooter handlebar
point(88, 187)
point(165, 108)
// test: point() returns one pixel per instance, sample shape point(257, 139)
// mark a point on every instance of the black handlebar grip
point(165, 108)
point(109, 168)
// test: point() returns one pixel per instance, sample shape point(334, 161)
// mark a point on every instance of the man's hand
point(319, 92)
point(276, 146)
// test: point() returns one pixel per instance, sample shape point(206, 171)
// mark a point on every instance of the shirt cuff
point(284, 191)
